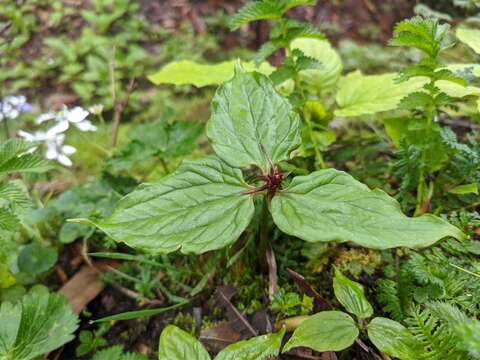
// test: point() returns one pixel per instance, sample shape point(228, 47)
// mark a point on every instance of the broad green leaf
point(471, 37)
point(187, 72)
point(330, 205)
point(36, 259)
point(258, 348)
point(455, 90)
point(326, 77)
point(41, 323)
point(176, 344)
point(6, 278)
point(325, 331)
point(350, 294)
point(200, 207)
point(393, 339)
point(249, 118)
point(360, 94)
point(464, 189)
point(116, 353)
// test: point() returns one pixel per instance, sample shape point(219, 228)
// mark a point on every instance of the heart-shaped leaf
point(351, 296)
point(250, 121)
point(394, 339)
point(258, 348)
point(325, 331)
point(200, 207)
point(176, 344)
point(330, 205)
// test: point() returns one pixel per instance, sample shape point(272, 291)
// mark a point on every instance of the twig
point(118, 108)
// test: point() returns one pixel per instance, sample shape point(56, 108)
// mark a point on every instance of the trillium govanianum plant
point(206, 204)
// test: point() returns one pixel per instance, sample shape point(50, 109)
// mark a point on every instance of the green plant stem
point(419, 208)
point(164, 166)
point(263, 244)
point(5, 128)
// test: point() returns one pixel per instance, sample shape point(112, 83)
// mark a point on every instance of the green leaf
point(464, 189)
point(40, 324)
point(471, 37)
point(264, 9)
point(36, 259)
point(350, 294)
point(325, 331)
point(248, 114)
point(116, 353)
point(258, 348)
point(13, 158)
point(327, 75)
point(330, 205)
point(424, 34)
point(176, 344)
point(200, 207)
point(369, 94)
point(394, 339)
point(186, 72)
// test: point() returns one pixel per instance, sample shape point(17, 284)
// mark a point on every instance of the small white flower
point(76, 116)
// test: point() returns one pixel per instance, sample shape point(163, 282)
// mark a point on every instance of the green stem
point(5, 128)
point(164, 166)
point(263, 244)
point(316, 147)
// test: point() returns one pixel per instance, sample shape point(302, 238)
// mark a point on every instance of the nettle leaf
point(330, 205)
point(360, 94)
point(176, 344)
point(200, 207)
point(186, 72)
point(394, 339)
point(264, 9)
point(41, 323)
point(350, 294)
point(471, 37)
point(258, 348)
point(251, 120)
point(424, 34)
point(325, 331)
point(327, 75)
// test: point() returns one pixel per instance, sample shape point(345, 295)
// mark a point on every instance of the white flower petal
point(68, 150)
point(76, 115)
point(52, 153)
point(86, 125)
point(61, 127)
point(26, 135)
point(64, 160)
point(45, 117)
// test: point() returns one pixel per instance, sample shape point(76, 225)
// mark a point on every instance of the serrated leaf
point(350, 294)
point(13, 158)
point(116, 353)
point(200, 207)
point(324, 331)
point(8, 220)
point(176, 344)
point(455, 90)
point(330, 205)
point(394, 339)
point(40, 324)
point(186, 72)
point(327, 75)
point(251, 120)
point(258, 348)
point(464, 189)
point(425, 34)
point(264, 9)
point(369, 94)
point(471, 37)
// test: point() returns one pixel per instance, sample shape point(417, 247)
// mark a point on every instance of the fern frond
point(387, 295)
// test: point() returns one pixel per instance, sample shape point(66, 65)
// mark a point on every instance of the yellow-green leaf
point(471, 37)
